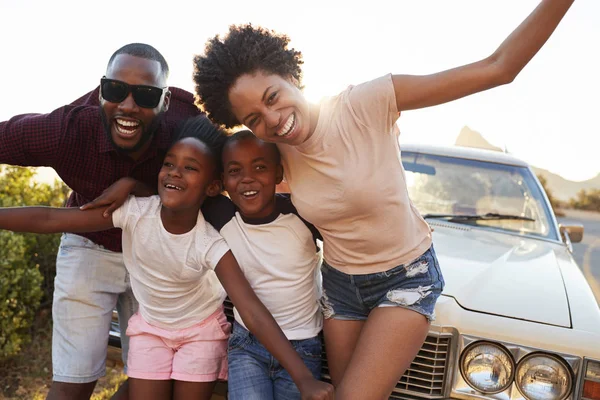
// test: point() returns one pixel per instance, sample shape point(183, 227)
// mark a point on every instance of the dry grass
point(29, 375)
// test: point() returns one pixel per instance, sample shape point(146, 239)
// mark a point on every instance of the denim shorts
point(254, 374)
point(415, 286)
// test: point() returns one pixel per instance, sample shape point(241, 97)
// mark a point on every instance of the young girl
point(175, 259)
point(277, 252)
point(381, 278)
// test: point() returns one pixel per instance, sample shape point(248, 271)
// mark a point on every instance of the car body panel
point(543, 337)
point(502, 274)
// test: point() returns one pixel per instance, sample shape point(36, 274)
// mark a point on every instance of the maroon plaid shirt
point(72, 140)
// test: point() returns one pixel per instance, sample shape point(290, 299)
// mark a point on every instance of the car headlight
point(487, 367)
point(542, 376)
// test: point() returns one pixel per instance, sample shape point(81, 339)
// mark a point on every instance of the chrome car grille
point(228, 309)
point(425, 379)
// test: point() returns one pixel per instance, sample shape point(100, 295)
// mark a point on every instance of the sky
point(54, 52)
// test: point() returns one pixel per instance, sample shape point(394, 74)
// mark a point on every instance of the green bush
point(17, 188)
point(20, 294)
point(27, 261)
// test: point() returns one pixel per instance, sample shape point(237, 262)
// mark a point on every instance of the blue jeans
point(255, 375)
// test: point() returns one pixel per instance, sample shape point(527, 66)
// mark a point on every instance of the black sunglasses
point(144, 96)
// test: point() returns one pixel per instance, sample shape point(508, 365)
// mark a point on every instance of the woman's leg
point(340, 341)
point(146, 389)
point(401, 301)
point(388, 343)
point(193, 390)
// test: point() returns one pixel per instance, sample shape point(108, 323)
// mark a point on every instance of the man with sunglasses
point(121, 129)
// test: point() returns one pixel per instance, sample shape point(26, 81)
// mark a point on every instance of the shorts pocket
point(135, 325)
point(239, 339)
point(222, 326)
point(419, 268)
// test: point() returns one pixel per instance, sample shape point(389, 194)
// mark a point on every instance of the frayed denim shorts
point(415, 286)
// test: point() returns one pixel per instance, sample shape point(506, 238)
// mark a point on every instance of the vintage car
point(517, 319)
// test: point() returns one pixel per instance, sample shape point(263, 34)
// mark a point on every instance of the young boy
point(179, 338)
point(277, 252)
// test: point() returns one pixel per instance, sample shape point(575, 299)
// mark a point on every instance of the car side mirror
point(571, 233)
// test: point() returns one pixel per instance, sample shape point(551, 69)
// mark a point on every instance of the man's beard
point(147, 133)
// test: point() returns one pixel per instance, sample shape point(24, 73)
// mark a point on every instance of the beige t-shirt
point(347, 179)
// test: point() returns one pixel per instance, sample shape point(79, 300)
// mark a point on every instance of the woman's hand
point(413, 91)
point(114, 196)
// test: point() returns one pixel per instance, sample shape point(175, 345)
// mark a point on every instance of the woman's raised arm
point(419, 91)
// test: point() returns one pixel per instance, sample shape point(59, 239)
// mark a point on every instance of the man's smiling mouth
point(126, 127)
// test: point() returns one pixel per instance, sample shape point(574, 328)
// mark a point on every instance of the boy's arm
point(53, 220)
point(262, 324)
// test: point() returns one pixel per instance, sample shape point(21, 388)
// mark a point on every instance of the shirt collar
point(261, 221)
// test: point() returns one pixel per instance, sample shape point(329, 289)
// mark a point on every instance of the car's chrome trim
point(582, 377)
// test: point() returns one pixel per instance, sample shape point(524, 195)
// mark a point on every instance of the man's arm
point(53, 220)
point(117, 193)
point(262, 324)
point(34, 140)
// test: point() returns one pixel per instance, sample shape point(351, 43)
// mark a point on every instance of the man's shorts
point(90, 281)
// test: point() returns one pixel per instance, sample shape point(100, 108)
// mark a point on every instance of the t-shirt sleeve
point(121, 216)
point(373, 103)
point(218, 211)
point(213, 245)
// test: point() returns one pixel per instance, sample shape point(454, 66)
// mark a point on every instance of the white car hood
point(502, 274)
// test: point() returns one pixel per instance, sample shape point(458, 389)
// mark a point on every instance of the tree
point(586, 200)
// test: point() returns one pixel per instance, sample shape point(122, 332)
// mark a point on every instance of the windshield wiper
point(477, 217)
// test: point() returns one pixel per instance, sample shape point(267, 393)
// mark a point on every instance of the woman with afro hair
point(381, 278)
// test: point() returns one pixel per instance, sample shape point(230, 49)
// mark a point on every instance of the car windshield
point(478, 193)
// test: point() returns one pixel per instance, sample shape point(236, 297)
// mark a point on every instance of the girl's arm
point(500, 68)
point(262, 324)
point(53, 220)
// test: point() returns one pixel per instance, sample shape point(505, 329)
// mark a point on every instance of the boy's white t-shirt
point(278, 255)
point(172, 276)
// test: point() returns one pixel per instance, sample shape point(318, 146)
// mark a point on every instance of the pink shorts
point(194, 354)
